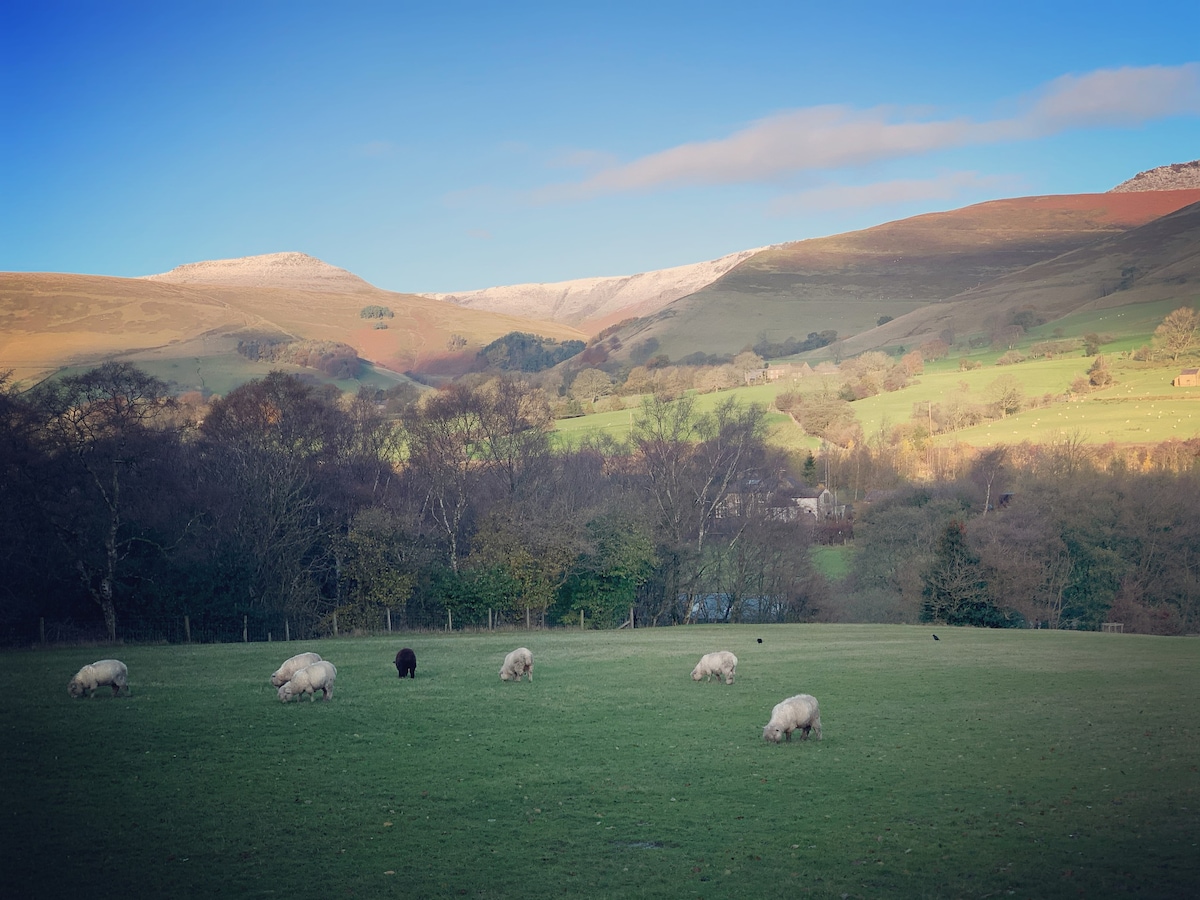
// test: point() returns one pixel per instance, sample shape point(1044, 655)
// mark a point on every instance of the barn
point(1187, 378)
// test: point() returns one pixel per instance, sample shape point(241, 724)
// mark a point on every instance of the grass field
point(988, 763)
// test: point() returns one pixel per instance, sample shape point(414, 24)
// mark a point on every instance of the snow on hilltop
point(587, 299)
point(297, 271)
point(1175, 177)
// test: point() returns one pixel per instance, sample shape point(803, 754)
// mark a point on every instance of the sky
point(452, 145)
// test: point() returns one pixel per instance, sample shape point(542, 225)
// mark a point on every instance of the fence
point(268, 627)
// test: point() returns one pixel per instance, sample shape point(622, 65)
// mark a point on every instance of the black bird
point(760, 640)
point(936, 638)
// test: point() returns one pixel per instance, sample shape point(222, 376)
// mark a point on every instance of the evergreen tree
point(956, 591)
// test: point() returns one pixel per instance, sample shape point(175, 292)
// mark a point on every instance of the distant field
point(221, 374)
point(988, 763)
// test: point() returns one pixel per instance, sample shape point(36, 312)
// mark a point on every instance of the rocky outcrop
point(1175, 177)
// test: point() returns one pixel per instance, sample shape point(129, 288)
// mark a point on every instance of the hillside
point(1158, 261)
point(594, 303)
point(50, 320)
point(847, 282)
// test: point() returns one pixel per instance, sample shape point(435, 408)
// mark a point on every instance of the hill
point(297, 271)
point(202, 311)
point(1153, 263)
point(595, 303)
point(848, 282)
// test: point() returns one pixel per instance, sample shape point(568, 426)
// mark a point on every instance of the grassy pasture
point(987, 763)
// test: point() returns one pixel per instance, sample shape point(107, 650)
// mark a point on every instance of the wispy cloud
point(835, 197)
point(825, 138)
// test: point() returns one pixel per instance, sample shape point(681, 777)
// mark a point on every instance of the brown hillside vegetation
point(48, 320)
point(1156, 261)
point(847, 281)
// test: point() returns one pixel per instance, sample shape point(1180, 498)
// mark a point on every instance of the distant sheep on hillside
point(516, 664)
point(103, 672)
point(317, 677)
point(723, 664)
point(800, 712)
point(406, 663)
point(290, 667)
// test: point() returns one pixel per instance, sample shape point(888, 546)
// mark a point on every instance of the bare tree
point(102, 423)
point(1177, 333)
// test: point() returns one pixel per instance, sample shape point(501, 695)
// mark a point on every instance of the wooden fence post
point(389, 617)
point(245, 629)
point(287, 629)
point(631, 617)
point(187, 630)
point(581, 620)
point(489, 620)
point(449, 620)
point(42, 629)
point(335, 632)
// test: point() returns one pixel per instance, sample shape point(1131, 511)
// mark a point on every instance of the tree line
point(285, 501)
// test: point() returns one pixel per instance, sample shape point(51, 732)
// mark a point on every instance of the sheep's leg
point(787, 732)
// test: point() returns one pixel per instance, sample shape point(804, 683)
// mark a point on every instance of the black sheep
point(406, 663)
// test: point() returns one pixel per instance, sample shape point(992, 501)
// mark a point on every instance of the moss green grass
point(987, 763)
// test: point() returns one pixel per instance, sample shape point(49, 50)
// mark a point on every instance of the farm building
point(1187, 378)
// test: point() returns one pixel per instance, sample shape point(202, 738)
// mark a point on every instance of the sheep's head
point(285, 691)
point(74, 687)
point(697, 674)
point(772, 733)
point(504, 675)
point(278, 680)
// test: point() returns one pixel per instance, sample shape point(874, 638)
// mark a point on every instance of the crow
point(936, 638)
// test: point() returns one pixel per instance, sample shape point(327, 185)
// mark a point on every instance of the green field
point(988, 763)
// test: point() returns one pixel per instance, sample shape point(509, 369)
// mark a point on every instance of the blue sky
point(454, 145)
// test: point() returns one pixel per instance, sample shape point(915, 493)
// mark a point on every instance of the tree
point(101, 426)
point(591, 385)
point(956, 591)
point(1007, 393)
point(1099, 374)
point(692, 463)
point(1177, 333)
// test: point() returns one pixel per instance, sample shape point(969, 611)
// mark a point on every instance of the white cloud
point(886, 193)
point(825, 138)
point(1126, 96)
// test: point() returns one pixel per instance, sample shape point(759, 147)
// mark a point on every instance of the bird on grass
point(936, 638)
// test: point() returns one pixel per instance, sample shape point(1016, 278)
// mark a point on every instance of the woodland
point(288, 508)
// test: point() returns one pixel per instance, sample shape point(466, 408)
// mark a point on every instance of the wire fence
point(265, 627)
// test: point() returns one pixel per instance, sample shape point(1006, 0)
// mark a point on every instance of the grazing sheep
point(406, 663)
point(723, 664)
point(104, 671)
point(290, 667)
point(516, 664)
point(799, 712)
point(317, 677)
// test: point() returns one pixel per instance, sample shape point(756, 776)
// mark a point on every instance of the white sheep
point(104, 671)
point(723, 664)
point(516, 664)
point(291, 666)
point(799, 712)
point(317, 677)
